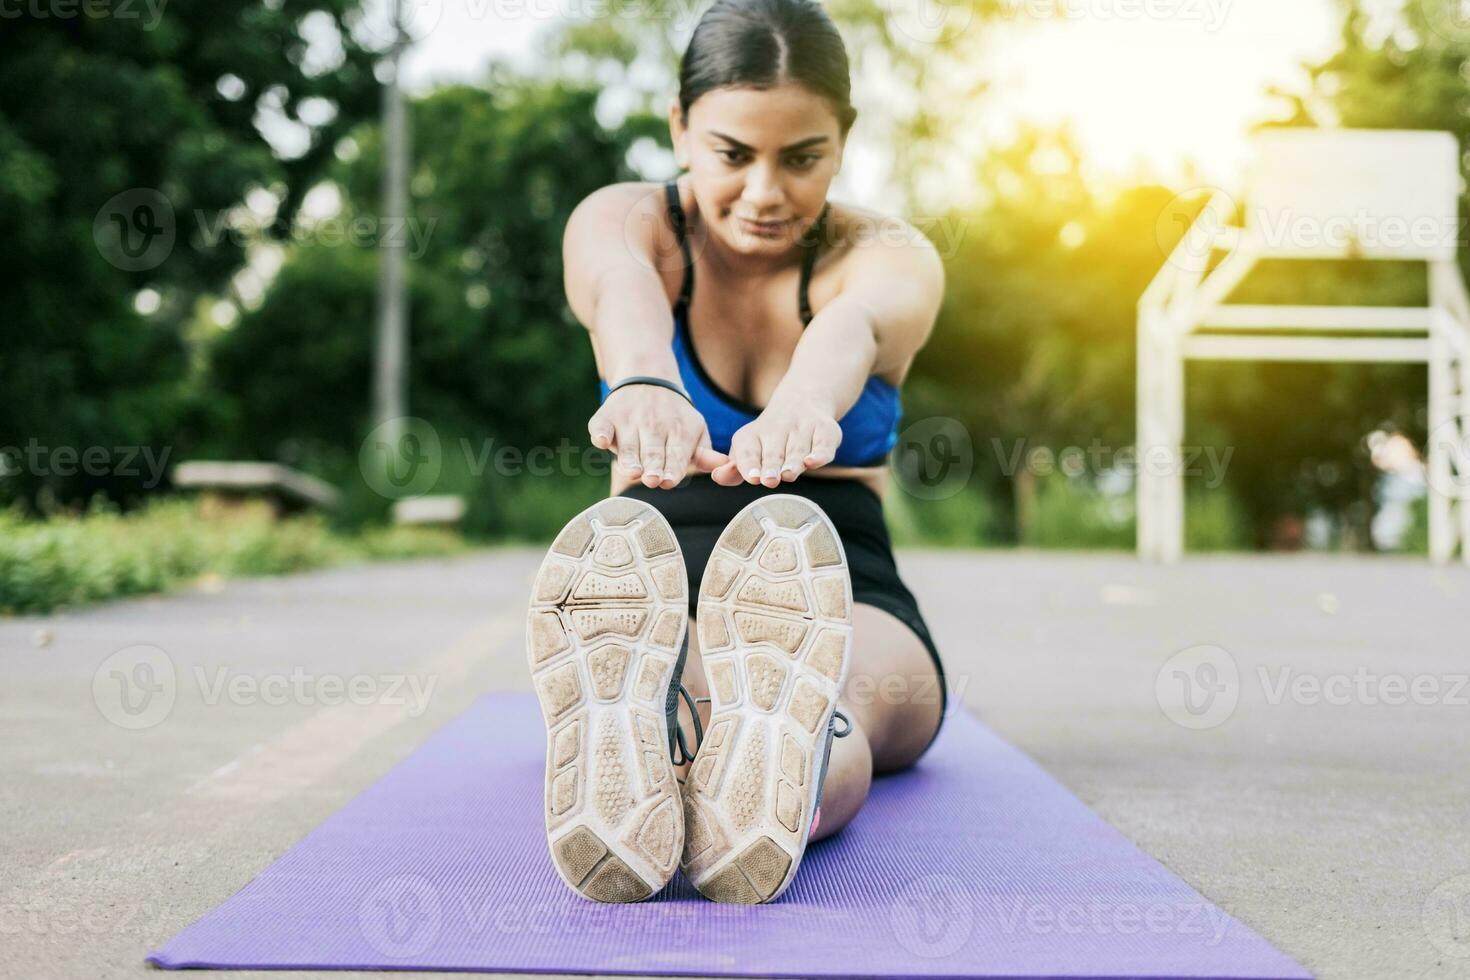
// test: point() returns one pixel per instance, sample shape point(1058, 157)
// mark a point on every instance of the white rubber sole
point(775, 635)
point(607, 618)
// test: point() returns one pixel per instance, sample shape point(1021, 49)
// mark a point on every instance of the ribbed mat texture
point(974, 863)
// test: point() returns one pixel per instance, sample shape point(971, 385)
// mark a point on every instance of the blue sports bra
point(870, 427)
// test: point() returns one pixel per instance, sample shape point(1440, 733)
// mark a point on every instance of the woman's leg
point(892, 698)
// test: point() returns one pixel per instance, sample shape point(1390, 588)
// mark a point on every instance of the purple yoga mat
point(974, 863)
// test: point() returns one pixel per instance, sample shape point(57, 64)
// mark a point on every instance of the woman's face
point(761, 161)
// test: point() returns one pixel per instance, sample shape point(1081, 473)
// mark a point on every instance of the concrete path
point(1314, 779)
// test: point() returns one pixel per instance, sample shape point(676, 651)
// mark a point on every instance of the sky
point(1162, 89)
point(1150, 83)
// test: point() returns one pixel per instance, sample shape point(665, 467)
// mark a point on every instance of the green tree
point(1034, 348)
point(494, 351)
point(145, 122)
point(1035, 345)
point(929, 54)
point(1299, 429)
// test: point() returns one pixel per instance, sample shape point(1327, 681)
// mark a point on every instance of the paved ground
point(1332, 820)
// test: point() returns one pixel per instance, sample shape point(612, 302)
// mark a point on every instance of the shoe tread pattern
point(607, 617)
point(775, 630)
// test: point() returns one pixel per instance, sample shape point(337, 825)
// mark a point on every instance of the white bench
point(441, 510)
point(227, 483)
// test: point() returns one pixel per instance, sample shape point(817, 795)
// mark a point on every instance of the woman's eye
point(805, 160)
point(730, 156)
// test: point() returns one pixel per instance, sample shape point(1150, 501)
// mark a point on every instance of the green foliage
point(96, 106)
point(959, 521)
point(71, 559)
point(1073, 514)
point(496, 357)
point(1034, 348)
point(534, 509)
point(1397, 67)
point(1214, 520)
point(1034, 345)
point(929, 51)
point(1069, 514)
point(1416, 539)
point(1066, 513)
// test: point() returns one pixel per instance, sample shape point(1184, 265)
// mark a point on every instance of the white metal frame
point(1375, 194)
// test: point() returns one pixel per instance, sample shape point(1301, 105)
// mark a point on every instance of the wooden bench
point(434, 511)
point(225, 486)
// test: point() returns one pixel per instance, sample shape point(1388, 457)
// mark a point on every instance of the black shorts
point(699, 510)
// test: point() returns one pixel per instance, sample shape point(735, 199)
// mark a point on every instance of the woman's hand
point(791, 436)
point(655, 434)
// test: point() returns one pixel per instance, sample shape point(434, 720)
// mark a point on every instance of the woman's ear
point(677, 134)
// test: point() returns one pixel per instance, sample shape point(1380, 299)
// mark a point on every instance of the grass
point(72, 559)
point(1416, 539)
point(959, 521)
point(1069, 514)
point(529, 509)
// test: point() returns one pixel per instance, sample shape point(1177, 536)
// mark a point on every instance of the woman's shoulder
point(864, 245)
point(635, 211)
point(851, 226)
point(628, 194)
point(633, 214)
point(628, 201)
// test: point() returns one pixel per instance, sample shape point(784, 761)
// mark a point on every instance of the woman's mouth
point(763, 229)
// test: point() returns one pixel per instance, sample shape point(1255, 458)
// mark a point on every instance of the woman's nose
point(762, 189)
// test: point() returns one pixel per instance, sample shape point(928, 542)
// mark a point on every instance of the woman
point(779, 371)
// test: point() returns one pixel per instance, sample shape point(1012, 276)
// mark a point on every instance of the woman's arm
point(883, 314)
point(610, 254)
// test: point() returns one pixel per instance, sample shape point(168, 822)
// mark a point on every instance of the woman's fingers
point(745, 449)
point(706, 460)
point(798, 446)
point(628, 455)
point(677, 450)
point(824, 445)
point(657, 438)
point(651, 451)
point(601, 430)
point(717, 465)
point(727, 474)
point(773, 456)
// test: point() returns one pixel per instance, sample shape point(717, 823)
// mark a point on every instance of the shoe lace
point(846, 725)
point(679, 751)
point(832, 733)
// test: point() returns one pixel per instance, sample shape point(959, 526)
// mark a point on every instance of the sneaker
point(606, 639)
point(775, 634)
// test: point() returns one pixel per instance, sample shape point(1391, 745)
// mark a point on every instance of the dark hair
point(762, 43)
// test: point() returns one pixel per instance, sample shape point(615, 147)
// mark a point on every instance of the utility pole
point(390, 379)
